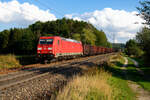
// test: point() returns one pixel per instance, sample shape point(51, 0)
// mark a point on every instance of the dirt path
point(141, 93)
point(137, 65)
point(124, 66)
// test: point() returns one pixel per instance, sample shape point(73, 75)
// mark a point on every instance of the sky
point(117, 18)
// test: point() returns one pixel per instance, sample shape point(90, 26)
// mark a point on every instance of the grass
point(135, 76)
point(121, 90)
point(88, 87)
point(8, 61)
point(11, 61)
point(107, 83)
point(142, 66)
point(118, 82)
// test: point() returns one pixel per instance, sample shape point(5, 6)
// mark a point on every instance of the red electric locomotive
point(55, 46)
point(51, 47)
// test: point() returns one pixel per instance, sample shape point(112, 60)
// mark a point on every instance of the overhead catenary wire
point(61, 10)
point(111, 36)
point(47, 6)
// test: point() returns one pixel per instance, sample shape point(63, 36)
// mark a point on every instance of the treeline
point(118, 46)
point(24, 41)
point(140, 46)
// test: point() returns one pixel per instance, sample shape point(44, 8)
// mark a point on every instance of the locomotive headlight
point(39, 48)
point(39, 52)
point(50, 51)
point(49, 48)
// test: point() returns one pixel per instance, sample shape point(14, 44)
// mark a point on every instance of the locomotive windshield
point(46, 41)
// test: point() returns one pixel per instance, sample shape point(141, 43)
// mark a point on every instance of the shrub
point(9, 61)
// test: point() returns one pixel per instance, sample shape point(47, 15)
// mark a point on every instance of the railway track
point(25, 76)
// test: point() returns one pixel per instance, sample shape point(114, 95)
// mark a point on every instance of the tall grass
point(8, 61)
point(88, 87)
point(107, 83)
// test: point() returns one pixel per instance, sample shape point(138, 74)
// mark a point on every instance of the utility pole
point(114, 37)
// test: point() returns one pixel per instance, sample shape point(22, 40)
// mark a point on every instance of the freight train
point(55, 47)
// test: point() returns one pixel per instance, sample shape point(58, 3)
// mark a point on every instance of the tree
point(76, 36)
point(145, 11)
point(143, 38)
point(109, 45)
point(4, 38)
point(133, 49)
point(27, 43)
point(63, 28)
point(101, 39)
point(14, 38)
point(87, 37)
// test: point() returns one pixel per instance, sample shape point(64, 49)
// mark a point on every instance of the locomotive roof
point(66, 39)
point(70, 40)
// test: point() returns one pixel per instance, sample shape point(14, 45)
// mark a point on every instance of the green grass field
point(135, 76)
point(118, 80)
point(144, 68)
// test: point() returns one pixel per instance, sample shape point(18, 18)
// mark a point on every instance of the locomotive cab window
point(46, 41)
point(49, 41)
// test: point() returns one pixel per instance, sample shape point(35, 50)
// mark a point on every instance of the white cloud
point(77, 18)
point(122, 34)
point(14, 14)
point(69, 16)
point(73, 16)
point(118, 22)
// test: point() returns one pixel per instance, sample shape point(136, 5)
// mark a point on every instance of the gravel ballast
point(46, 87)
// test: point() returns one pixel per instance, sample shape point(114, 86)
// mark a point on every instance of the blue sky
point(113, 16)
point(62, 7)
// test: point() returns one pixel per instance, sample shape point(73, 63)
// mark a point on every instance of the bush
point(9, 61)
point(132, 48)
